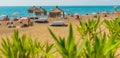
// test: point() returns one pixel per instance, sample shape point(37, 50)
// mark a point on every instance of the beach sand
point(39, 31)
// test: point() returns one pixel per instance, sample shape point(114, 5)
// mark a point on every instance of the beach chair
point(42, 20)
point(58, 23)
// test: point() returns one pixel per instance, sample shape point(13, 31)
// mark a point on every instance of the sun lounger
point(58, 23)
point(34, 17)
point(42, 20)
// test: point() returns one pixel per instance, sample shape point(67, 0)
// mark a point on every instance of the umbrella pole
point(34, 15)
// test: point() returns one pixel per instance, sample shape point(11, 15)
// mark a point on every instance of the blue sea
point(23, 10)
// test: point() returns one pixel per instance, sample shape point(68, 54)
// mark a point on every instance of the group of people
point(11, 24)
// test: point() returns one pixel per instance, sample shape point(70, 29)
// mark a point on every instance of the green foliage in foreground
point(89, 27)
point(96, 43)
point(68, 48)
point(24, 48)
point(113, 25)
point(100, 45)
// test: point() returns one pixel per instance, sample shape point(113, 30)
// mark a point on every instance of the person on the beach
point(6, 18)
point(95, 16)
point(28, 21)
point(12, 25)
point(77, 17)
point(0, 22)
point(105, 15)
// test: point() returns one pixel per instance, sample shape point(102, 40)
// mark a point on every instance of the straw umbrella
point(56, 12)
point(36, 11)
point(31, 10)
point(40, 11)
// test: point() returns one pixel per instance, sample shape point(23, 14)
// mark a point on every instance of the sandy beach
point(40, 31)
point(59, 29)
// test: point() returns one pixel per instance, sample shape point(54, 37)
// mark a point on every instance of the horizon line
point(58, 5)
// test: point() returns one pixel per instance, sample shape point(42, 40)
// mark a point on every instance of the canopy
point(40, 11)
point(56, 12)
point(31, 10)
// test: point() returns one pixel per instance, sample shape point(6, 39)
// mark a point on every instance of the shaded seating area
point(55, 13)
point(41, 13)
point(22, 22)
point(37, 12)
point(42, 20)
point(32, 11)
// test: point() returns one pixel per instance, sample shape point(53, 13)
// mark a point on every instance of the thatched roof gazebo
point(40, 11)
point(31, 10)
point(56, 12)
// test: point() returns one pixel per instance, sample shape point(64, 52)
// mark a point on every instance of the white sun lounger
point(42, 19)
point(57, 23)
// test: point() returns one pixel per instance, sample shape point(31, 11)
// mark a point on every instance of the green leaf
point(82, 46)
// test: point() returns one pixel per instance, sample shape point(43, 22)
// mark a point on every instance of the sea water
point(82, 10)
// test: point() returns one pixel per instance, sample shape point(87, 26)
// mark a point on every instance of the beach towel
point(23, 18)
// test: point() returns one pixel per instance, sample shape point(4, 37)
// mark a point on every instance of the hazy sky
point(57, 2)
